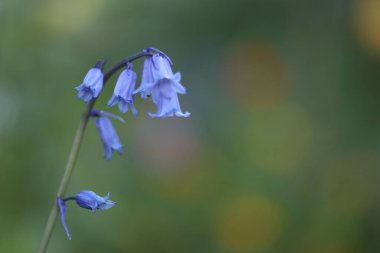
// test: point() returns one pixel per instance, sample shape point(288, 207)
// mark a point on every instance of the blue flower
point(89, 200)
point(85, 199)
point(123, 91)
point(92, 84)
point(107, 132)
point(159, 82)
point(165, 95)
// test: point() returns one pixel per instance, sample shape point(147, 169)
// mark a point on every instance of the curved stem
point(75, 151)
point(71, 197)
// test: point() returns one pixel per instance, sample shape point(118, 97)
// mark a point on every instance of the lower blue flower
point(86, 199)
point(89, 200)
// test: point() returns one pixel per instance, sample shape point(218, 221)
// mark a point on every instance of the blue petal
point(181, 114)
point(94, 75)
point(107, 205)
point(62, 210)
point(147, 79)
point(167, 101)
point(113, 101)
point(87, 199)
point(123, 106)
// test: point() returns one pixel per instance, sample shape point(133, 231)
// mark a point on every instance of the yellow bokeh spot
point(367, 22)
point(249, 224)
point(279, 140)
point(350, 181)
point(256, 75)
point(68, 16)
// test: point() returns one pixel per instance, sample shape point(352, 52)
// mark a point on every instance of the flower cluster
point(157, 81)
point(85, 199)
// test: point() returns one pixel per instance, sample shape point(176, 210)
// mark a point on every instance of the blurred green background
point(281, 152)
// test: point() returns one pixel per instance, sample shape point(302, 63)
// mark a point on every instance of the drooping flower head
point(107, 132)
point(122, 94)
point(85, 199)
point(166, 97)
point(92, 84)
point(159, 82)
point(89, 200)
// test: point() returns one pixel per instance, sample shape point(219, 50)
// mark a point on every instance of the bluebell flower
point(89, 200)
point(92, 84)
point(85, 199)
point(165, 95)
point(122, 94)
point(107, 132)
point(159, 82)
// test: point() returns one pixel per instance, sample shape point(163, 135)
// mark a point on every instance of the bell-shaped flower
point(162, 85)
point(156, 68)
point(90, 200)
point(166, 97)
point(92, 84)
point(122, 94)
point(107, 132)
point(85, 199)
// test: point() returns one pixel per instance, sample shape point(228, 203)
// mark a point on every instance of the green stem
point(75, 151)
point(66, 176)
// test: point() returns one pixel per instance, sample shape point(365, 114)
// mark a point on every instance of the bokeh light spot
point(256, 75)
point(367, 21)
point(279, 140)
point(249, 224)
point(67, 17)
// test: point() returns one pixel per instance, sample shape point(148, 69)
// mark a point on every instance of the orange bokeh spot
point(256, 75)
point(367, 22)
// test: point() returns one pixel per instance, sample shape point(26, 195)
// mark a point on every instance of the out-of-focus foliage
point(281, 152)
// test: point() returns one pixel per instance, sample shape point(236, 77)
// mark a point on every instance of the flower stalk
point(76, 148)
